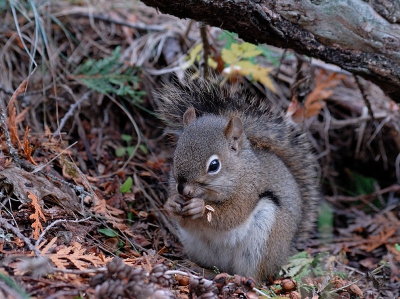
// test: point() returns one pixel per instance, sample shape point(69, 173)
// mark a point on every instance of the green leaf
point(229, 38)
point(120, 151)
point(300, 255)
point(109, 75)
point(361, 184)
point(11, 283)
point(126, 186)
point(108, 232)
point(143, 148)
point(325, 221)
point(298, 266)
point(126, 138)
point(129, 150)
point(271, 55)
point(397, 246)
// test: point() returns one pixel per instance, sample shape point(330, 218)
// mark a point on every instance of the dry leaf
point(356, 290)
point(12, 115)
point(36, 225)
point(27, 147)
point(295, 110)
point(374, 242)
point(75, 255)
point(114, 216)
point(315, 100)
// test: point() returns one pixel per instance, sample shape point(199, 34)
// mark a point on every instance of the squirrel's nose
point(185, 190)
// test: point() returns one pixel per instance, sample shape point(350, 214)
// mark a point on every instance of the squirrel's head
point(207, 158)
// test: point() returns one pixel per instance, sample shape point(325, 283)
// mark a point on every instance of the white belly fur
point(237, 251)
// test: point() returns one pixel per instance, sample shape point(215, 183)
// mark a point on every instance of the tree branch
point(348, 33)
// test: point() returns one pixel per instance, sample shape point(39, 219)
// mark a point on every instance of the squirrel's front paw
point(193, 208)
point(174, 204)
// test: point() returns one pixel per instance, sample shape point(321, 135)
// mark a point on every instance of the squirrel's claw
point(193, 208)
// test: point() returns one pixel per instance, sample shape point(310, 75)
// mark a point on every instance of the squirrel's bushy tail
point(265, 128)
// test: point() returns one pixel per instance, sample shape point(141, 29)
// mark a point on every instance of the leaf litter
point(97, 223)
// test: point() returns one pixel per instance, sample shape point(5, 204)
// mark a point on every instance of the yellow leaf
point(250, 50)
point(258, 73)
point(236, 50)
point(195, 51)
point(212, 63)
point(249, 54)
point(246, 66)
point(228, 56)
point(261, 74)
point(192, 55)
point(248, 47)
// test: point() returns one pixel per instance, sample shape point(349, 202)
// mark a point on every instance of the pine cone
point(158, 275)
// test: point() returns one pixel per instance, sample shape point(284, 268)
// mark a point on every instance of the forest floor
point(84, 162)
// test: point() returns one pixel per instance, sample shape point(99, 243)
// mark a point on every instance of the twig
point(139, 138)
point(188, 28)
point(261, 293)
point(15, 230)
point(364, 96)
point(77, 272)
point(114, 21)
point(177, 272)
point(278, 70)
point(40, 167)
point(27, 93)
point(358, 279)
point(53, 224)
point(364, 197)
point(11, 149)
point(82, 136)
point(378, 129)
point(206, 50)
point(361, 131)
point(337, 124)
point(71, 112)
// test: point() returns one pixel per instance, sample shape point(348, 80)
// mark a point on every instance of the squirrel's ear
point(189, 116)
point(234, 132)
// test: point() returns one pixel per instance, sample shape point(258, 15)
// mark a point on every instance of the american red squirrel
point(243, 186)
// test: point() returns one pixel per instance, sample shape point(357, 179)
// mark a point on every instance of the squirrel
point(243, 188)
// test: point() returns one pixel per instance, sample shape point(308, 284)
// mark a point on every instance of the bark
point(361, 36)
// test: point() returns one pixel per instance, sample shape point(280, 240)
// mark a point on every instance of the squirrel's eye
point(213, 164)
